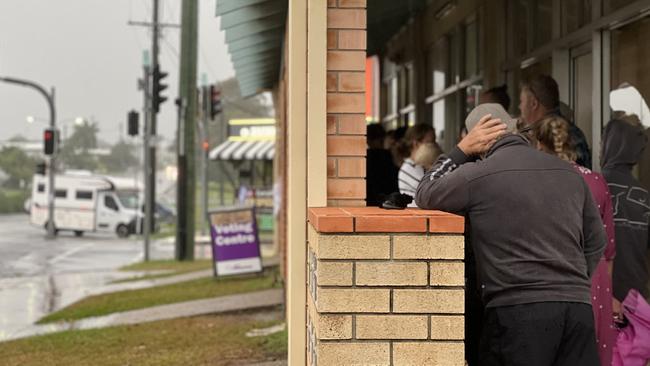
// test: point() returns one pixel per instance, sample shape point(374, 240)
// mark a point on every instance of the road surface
point(38, 276)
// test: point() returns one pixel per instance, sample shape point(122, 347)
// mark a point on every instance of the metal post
point(51, 230)
point(155, 30)
point(203, 128)
point(51, 227)
point(146, 230)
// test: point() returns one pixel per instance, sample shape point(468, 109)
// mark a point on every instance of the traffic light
point(41, 168)
point(158, 88)
point(50, 139)
point(215, 101)
point(133, 123)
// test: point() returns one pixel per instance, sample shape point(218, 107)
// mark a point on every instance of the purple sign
point(235, 241)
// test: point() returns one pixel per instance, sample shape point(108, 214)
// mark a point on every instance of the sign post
point(235, 241)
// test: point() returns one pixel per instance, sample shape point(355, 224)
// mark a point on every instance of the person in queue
point(537, 236)
point(551, 135)
point(539, 97)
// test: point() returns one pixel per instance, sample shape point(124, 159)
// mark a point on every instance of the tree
point(75, 151)
point(121, 158)
point(18, 166)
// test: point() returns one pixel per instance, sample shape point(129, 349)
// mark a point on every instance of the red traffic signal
point(215, 101)
point(50, 137)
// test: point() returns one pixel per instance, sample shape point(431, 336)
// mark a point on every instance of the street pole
point(187, 146)
point(203, 131)
point(153, 122)
point(51, 231)
point(148, 171)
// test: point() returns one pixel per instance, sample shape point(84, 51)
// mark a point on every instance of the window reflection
point(630, 82)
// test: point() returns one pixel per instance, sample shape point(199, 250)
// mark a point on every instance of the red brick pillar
point(346, 125)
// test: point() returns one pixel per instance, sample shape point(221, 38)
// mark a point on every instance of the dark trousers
point(539, 334)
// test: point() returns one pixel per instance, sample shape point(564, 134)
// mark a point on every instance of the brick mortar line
point(385, 313)
point(354, 274)
point(429, 327)
point(387, 233)
point(390, 353)
point(392, 248)
point(389, 260)
point(390, 340)
point(348, 28)
point(391, 287)
point(354, 326)
point(390, 301)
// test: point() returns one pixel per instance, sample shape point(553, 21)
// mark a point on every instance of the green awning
point(255, 35)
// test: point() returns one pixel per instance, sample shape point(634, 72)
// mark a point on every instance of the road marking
point(70, 252)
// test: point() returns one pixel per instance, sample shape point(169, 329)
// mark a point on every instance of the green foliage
point(18, 165)
point(198, 341)
point(74, 153)
point(12, 201)
point(121, 158)
point(167, 294)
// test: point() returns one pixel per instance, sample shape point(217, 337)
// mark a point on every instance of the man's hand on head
point(486, 132)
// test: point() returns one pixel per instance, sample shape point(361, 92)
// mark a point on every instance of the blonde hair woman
point(551, 135)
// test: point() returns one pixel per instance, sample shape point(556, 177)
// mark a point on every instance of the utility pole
point(149, 170)
point(153, 121)
point(186, 143)
point(51, 228)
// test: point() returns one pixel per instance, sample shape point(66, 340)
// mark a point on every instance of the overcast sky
point(86, 50)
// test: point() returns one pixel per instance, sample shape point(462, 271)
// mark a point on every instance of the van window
point(40, 187)
point(109, 202)
point(61, 193)
point(84, 195)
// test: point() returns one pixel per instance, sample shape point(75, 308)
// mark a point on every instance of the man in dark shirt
point(539, 97)
point(536, 234)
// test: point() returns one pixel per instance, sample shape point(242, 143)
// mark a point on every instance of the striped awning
point(244, 150)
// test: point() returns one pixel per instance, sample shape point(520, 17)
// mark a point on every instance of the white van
point(85, 202)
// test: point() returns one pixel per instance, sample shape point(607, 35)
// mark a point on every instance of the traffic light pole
point(153, 119)
point(203, 131)
point(51, 230)
point(148, 171)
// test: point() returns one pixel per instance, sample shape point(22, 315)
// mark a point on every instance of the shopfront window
point(575, 14)
point(611, 6)
point(471, 50)
point(390, 96)
point(630, 83)
point(532, 25)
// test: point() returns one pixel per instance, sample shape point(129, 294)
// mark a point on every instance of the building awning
point(254, 34)
point(244, 150)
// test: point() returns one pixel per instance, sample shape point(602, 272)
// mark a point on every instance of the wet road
point(38, 276)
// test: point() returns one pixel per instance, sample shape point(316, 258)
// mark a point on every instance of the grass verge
point(159, 295)
point(201, 340)
point(173, 267)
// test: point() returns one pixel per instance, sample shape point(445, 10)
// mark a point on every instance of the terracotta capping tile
point(330, 220)
point(449, 224)
point(390, 224)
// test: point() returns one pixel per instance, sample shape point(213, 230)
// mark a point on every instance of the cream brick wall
point(386, 299)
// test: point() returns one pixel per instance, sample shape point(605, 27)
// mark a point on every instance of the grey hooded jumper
point(536, 232)
point(623, 145)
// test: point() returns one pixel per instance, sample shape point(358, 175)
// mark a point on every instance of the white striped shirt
point(408, 178)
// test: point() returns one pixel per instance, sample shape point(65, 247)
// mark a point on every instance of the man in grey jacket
point(536, 234)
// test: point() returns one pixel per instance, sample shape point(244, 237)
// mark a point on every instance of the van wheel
point(122, 231)
point(78, 233)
